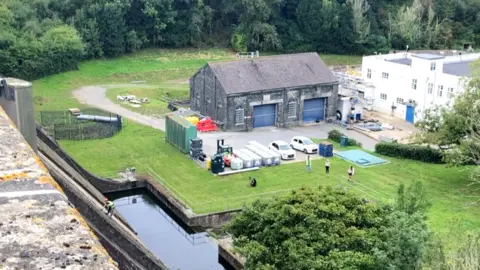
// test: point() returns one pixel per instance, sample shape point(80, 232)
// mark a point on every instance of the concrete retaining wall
point(211, 220)
point(102, 184)
point(126, 247)
point(232, 259)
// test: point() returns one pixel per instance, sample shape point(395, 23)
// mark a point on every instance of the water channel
point(173, 242)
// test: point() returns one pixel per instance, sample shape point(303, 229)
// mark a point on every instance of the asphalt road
point(238, 140)
point(95, 96)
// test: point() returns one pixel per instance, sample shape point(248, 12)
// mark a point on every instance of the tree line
point(43, 37)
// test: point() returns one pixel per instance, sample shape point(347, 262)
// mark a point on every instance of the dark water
point(178, 246)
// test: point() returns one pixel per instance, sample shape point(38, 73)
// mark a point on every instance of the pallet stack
point(196, 147)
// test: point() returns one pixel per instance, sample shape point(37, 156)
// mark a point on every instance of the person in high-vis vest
point(308, 162)
point(109, 205)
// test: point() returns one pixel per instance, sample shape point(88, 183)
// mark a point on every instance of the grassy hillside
point(475, 68)
point(165, 70)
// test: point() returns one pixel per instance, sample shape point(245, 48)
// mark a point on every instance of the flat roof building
point(406, 84)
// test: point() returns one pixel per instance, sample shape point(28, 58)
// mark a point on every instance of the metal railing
point(172, 190)
point(194, 239)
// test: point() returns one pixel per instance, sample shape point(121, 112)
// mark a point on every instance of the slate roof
point(458, 69)
point(272, 72)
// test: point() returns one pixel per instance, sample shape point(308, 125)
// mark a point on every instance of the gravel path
point(95, 96)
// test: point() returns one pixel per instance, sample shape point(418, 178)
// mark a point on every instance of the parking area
point(238, 140)
point(402, 131)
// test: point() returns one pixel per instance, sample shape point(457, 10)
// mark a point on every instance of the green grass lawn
point(158, 96)
point(475, 66)
point(156, 67)
point(144, 148)
point(165, 69)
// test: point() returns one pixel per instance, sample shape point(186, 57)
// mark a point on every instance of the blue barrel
point(344, 141)
point(325, 149)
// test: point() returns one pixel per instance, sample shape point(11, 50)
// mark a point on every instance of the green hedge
point(407, 151)
point(336, 135)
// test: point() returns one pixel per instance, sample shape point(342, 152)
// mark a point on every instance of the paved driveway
point(95, 96)
point(266, 135)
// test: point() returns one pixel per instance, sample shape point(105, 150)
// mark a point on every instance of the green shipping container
point(179, 131)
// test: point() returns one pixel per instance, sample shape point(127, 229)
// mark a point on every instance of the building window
point(400, 100)
point(292, 109)
point(239, 116)
point(450, 92)
point(385, 75)
point(383, 96)
point(430, 88)
point(440, 91)
point(414, 84)
point(433, 66)
point(219, 104)
point(209, 100)
point(369, 73)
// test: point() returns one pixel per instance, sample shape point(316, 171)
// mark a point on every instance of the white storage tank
point(236, 164)
point(247, 160)
point(257, 160)
point(277, 158)
point(267, 159)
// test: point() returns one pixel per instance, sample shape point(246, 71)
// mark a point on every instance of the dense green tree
point(63, 48)
point(112, 27)
point(158, 15)
point(448, 126)
point(110, 17)
point(331, 228)
point(456, 128)
point(254, 23)
point(89, 31)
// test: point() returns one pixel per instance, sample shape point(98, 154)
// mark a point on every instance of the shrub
point(335, 135)
point(414, 152)
point(353, 142)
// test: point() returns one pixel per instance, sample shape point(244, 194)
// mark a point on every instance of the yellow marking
point(47, 179)
point(14, 176)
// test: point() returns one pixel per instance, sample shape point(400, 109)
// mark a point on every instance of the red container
point(206, 125)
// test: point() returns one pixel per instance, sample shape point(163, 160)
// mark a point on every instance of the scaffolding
point(351, 85)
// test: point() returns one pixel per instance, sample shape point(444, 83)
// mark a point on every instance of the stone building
point(281, 91)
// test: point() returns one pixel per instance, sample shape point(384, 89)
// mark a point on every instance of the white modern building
point(405, 84)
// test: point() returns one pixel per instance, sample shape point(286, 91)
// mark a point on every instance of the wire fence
point(89, 124)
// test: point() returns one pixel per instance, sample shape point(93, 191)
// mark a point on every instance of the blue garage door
point(264, 115)
point(410, 115)
point(313, 109)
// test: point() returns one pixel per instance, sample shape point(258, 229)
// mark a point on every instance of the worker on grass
point(309, 163)
point(109, 205)
point(253, 182)
point(327, 166)
point(351, 172)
